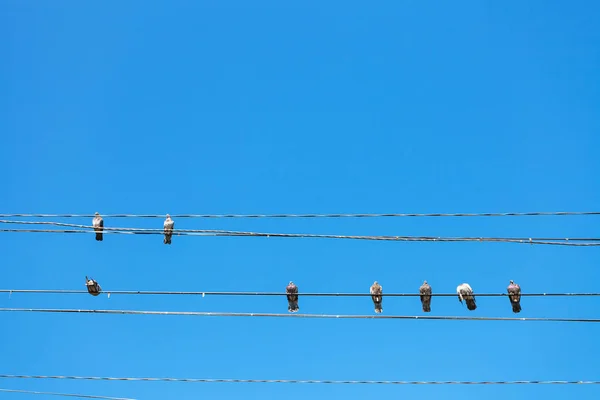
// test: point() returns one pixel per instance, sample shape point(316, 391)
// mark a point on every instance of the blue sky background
point(325, 107)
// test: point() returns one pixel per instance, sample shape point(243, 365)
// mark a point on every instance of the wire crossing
point(80, 396)
point(575, 242)
point(393, 215)
point(279, 315)
point(297, 381)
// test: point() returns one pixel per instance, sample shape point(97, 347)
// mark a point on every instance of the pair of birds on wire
point(98, 225)
point(464, 291)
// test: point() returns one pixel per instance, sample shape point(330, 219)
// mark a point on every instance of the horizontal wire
point(507, 214)
point(275, 315)
point(317, 294)
point(203, 232)
point(176, 231)
point(304, 381)
point(81, 396)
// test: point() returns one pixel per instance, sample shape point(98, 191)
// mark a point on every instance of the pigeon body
point(425, 291)
point(168, 228)
point(514, 295)
point(376, 292)
point(465, 293)
point(292, 297)
point(98, 224)
point(93, 287)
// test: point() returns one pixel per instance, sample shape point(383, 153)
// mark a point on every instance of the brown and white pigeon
point(93, 287)
point(98, 224)
point(465, 293)
point(514, 294)
point(376, 292)
point(292, 297)
point(168, 228)
point(425, 292)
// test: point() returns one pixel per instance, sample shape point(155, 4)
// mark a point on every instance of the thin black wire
point(298, 381)
point(317, 294)
point(176, 231)
point(275, 315)
point(508, 214)
point(204, 232)
point(81, 396)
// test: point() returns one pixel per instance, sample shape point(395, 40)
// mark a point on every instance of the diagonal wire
point(275, 315)
point(506, 214)
point(208, 293)
point(204, 232)
point(81, 396)
point(298, 381)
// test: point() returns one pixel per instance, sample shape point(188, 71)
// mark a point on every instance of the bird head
point(291, 283)
point(512, 282)
point(168, 216)
point(375, 283)
point(97, 214)
point(424, 282)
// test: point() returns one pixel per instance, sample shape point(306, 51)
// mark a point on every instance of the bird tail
point(471, 304)
point(378, 308)
point(426, 307)
point(99, 236)
point(167, 239)
point(293, 306)
point(516, 307)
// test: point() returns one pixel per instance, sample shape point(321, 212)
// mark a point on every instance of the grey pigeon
point(465, 293)
point(93, 287)
point(168, 227)
point(376, 292)
point(98, 224)
point(514, 294)
point(292, 297)
point(425, 291)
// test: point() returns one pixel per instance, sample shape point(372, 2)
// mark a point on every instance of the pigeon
point(376, 292)
point(292, 297)
point(465, 293)
point(168, 226)
point(93, 287)
point(98, 224)
point(425, 291)
point(514, 295)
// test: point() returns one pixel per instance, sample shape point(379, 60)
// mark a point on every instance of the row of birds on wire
point(98, 225)
point(464, 292)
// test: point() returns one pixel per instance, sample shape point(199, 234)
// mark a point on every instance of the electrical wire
point(298, 381)
point(203, 232)
point(318, 294)
point(275, 315)
point(81, 396)
point(507, 214)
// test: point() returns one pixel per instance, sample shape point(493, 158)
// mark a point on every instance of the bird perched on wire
point(98, 224)
point(425, 292)
point(292, 297)
point(465, 293)
point(514, 295)
point(168, 227)
point(376, 292)
point(93, 287)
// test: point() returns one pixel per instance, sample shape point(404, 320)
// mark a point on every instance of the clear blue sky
point(266, 107)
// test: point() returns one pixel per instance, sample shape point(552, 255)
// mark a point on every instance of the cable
point(242, 233)
point(81, 396)
point(184, 293)
point(319, 316)
point(200, 232)
point(309, 381)
point(508, 214)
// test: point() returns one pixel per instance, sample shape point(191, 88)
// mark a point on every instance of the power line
point(275, 315)
point(81, 396)
point(201, 232)
point(317, 294)
point(298, 381)
point(507, 214)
